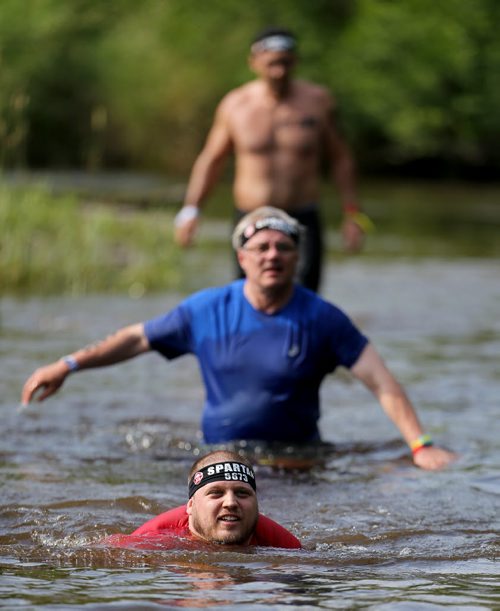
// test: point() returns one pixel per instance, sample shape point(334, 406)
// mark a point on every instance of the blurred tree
point(126, 84)
point(419, 81)
point(47, 59)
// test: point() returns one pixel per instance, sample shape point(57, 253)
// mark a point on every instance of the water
point(113, 449)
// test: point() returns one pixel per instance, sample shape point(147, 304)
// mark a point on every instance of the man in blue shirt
point(264, 345)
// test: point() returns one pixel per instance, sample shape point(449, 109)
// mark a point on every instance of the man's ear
point(189, 506)
point(251, 62)
point(240, 255)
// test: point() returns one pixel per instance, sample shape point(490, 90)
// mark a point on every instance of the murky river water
point(113, 448)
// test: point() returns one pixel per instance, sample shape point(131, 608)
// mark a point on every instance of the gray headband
point(278, 42)
point(270, 222)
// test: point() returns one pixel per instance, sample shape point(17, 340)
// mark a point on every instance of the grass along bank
point(58, 245)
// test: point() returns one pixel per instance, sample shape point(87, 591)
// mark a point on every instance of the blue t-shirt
point(262, 372)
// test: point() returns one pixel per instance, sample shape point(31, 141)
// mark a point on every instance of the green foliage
point(127, 84)
point(425, 72)
point(55, 245)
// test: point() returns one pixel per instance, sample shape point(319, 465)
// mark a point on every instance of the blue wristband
point(71, 362)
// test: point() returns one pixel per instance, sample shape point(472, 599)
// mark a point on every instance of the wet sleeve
point(271, 534)
point(346, 341)
point(170, 334)
point(173, 519)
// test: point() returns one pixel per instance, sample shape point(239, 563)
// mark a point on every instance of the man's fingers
point(42, 388)
point(29, 389)
point(353, 237)
point(47, 390)
point(184, 234)
point(182, 237)
point(434, 459)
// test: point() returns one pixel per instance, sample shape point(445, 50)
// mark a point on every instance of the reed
point(59, 245)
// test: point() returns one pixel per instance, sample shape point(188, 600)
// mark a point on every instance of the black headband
point(222, 472)
point(270, 222)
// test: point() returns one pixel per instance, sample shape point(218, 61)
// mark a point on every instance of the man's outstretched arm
point(122, 345)
point(372, 371)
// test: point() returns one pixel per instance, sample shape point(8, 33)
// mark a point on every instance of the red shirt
point(165, 530)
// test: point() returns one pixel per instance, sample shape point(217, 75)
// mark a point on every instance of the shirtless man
point(279, 128)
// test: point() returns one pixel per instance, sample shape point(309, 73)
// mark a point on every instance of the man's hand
point(185, 232)
point(353, 236)
point(432, 458)
point(49, 378)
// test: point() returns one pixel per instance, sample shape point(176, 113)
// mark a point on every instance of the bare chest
point(285, 128)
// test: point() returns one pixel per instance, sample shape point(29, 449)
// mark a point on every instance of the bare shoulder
point(237, 97)
point(314, 93)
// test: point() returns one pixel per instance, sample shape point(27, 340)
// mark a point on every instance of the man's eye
point(282, 247)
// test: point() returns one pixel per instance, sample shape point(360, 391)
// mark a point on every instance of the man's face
point(274, 67)
point(269, 259)
point(224, 512)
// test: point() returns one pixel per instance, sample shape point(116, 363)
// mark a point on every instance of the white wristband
point(185, 214)
point(71, 362)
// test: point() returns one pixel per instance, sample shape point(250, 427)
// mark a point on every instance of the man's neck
point(268, 301)
point(278, 93)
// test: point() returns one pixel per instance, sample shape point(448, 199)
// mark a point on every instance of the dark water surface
point(113, 448)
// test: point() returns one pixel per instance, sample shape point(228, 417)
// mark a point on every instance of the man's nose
point(230, 499)
point(272, 251)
